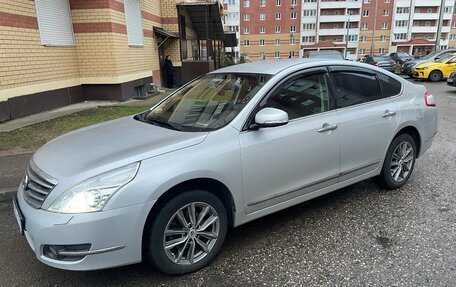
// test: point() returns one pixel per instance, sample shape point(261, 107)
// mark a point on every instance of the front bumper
point(115, 236)
point(451, 82)
point(420, 74)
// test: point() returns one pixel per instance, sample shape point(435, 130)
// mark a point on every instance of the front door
point(282, 163)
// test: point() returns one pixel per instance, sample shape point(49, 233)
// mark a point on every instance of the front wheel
point(399, 162)
point(435, 76)
point(187, 232)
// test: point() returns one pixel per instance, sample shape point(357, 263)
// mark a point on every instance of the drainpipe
point(348, 34)
point(373, 31)
point(439, 26)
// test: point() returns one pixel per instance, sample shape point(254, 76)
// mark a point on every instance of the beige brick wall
point(270, 47)
point(24, 61)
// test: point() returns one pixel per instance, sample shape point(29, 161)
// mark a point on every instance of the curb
point(7, 193)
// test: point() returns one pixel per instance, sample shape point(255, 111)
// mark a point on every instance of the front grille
point(37, 185)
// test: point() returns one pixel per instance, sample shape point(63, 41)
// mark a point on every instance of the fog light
point(53, 251)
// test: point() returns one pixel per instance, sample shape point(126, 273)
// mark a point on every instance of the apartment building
point(353, 27)
point(269, 29)
point(59, 52)
point(232, 23)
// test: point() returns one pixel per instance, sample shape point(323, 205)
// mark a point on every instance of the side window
point(352, 88)
point(390, 86)
point(301, 96)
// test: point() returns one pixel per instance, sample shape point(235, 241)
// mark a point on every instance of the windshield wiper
point(163, 123)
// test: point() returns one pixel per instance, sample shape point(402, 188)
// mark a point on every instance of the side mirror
point(271, 117)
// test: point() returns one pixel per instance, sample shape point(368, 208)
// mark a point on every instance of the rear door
point(367, 120)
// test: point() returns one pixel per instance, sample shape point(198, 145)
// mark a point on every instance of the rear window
point(390, 86)
point(353, 88)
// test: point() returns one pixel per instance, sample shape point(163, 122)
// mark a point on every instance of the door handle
point(388, 113)
point(327, 127)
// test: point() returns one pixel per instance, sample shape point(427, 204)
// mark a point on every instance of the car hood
point(430, 65)
point(109, 145)
point(416, 62)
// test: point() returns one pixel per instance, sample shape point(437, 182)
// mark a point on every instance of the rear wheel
point(435, 76)
point(187, 232)
point(399, 162)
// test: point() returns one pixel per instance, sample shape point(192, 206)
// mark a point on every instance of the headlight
point(92, 194)
point(424, 68)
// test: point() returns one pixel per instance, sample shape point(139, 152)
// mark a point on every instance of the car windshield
point(207, 103)
point(431, 55)
point(445, 58)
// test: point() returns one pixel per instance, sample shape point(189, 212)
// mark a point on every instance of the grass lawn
point(28, 139)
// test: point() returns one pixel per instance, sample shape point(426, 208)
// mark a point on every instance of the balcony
point(402, 16)
point(339, 18)
point(400, 30)
point(308, 32)
point(309, 19)
point(341, 4)
point(306, 6)
point(402, 3)
point(426, 16)
point(424, 29)
point(337, 32)
point(428, 3)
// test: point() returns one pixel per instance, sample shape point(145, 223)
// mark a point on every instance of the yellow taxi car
point(435, 71)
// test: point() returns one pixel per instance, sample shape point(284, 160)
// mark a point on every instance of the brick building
point(58, 52)
point(354, 27)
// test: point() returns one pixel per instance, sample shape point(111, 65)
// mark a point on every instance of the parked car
point(384, 62)
point(401, 57)
point(324, 54)
point(451, 81)
point(232, 146)
point(437, 70)
point(407, 67)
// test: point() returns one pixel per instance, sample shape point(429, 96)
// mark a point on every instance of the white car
point(234, 145)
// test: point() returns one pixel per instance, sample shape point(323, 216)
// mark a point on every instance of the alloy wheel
point(191, 233)
point(402, 161)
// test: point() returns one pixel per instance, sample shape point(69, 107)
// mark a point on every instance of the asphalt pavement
point(358, 236)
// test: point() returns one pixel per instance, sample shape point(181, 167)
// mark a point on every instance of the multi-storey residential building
point(232, 24)
point(353, 27)
point(416, 25)
point(58, 52)
point(270, 28)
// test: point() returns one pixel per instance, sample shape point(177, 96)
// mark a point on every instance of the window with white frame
point(383, 38)
point(277, 42)
point(386, 12)
point(291, 54)
point(403, 10)
point(365, 26)
point(293, 29)
point(262, 16)
point(362, 51)
point(246, 17)
point(384, 25)
point(133, 21)
point(448, 9)
point(278, 16)
point(308, 39)
point(278, 2)
point(277, 55)
point(246, 3)
point(401, 23)
point(362, 39)
point(277, 29)
point(381, 51)
point(54, 22)
point(262, 3)
point(367, 1)
point(294, 3)
point(246, 43)
point(292, 41)
point(387, 1)
point(262, 30)
point(309, 13)
point(261, 42)
point(312, 26)
point(293, 15)
point(262, 55)
point(246, 30)
point(400, 36)
point(366, 13)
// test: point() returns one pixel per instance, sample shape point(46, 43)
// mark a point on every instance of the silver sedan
point(229, 147)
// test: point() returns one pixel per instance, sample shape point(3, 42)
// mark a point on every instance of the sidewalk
point(12, 167)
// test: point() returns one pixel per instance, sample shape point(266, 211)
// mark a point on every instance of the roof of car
point(268, 67)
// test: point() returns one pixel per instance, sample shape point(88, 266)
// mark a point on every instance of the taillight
point(429, 99)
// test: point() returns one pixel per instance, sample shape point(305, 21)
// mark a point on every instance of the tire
point(395, 174)
point(435, 76)
point(204, 241)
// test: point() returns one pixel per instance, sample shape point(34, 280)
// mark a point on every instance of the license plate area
point(19, 216)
